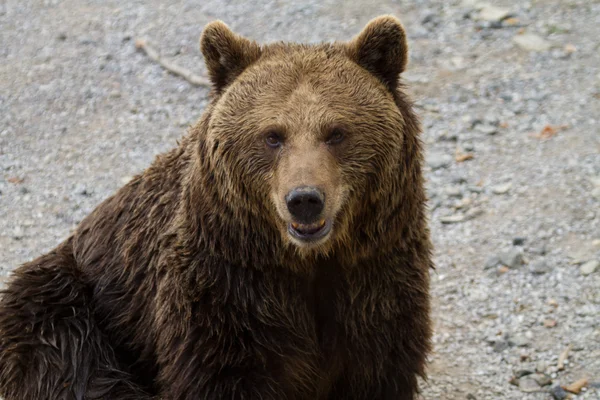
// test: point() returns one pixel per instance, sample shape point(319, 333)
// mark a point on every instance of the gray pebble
point(501, 189)
point(453, 191)
point(541, 367)
point(493, 14)
point(528, 384)
point(453, 219)
point(437, 160)
point(468, 146)
point(531, 42)
point(558, 393)
point(512, 258)
point(487, 129)
point(519, 240)
point(522, 372)
point(475, 189)
point(500, 345)
point(539, 250)
point(589, 267)
point(519, 341)
point(542, 379)
point(539, 268)
point(492, 262)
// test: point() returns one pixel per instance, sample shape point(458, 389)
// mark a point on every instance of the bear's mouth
point(310, 232)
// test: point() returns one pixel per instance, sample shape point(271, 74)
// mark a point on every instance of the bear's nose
point(305, 203)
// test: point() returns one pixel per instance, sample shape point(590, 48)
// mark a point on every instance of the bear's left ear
point(226, 54)
point(381, 49)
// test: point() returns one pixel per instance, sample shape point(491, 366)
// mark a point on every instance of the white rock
point(493, 14)
point(589, 267)
point(502, 189)
point(531, 42)
point(452, 219)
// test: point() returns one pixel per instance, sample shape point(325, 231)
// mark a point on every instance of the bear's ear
point(226, 54)
point(381, 49)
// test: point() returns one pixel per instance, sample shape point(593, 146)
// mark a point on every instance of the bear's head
point(315, 144)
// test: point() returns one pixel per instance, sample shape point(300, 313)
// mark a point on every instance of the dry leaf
point(569, 48)
point(511, 21)
point(463, 157)
point(503, 269)
point(548, 131)
point(503, 125)
point(576, 386)
point(562, 358)
point(16, 180)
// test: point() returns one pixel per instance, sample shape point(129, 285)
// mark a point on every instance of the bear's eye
point(273, 140)
point(336, 136)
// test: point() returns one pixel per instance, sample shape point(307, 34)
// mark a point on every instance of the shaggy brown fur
point(186, 283)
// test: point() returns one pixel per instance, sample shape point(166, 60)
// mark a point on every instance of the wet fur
point(182, 286)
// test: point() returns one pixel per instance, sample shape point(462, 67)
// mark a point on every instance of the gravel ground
point(510, 100)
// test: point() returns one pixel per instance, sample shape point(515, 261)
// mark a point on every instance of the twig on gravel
point(562, 358)
point(170, 66)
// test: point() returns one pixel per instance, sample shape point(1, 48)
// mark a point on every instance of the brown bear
point(281, 251)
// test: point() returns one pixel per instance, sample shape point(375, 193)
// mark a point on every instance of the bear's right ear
point(225, 53)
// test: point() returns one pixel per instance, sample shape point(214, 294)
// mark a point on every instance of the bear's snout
point(305, 204)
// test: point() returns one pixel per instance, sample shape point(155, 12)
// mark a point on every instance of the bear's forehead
point(323, 66)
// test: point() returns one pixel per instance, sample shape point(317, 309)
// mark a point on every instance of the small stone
point(512, 258)
point(542, 379)
point(458, 179)
point(492, 262)
point(558, 393)
point(471, 396)
point(468, 146)
point(500, 345)
point(528, 385)
point(87, 41)
point(589, 267)
point(430, 18)
point(501, 189)
point(62, 36)
point(437, 161)
point(493, 14)
point(540, 250)
point(522, 372)
point(453, 191)
point(475, 189)
point(487, 129)
point(540, 367)
point(473, 213)
point(539, 268)
point(452, 219)
point(519, 241)
point(531, 42)
point(519, 341)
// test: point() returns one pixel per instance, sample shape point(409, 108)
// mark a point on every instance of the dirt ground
point(510, 123)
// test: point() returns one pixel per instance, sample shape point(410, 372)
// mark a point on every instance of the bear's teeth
point(295, 225)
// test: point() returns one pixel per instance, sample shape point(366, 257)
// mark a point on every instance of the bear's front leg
point(235, 342)
point(387, 329)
